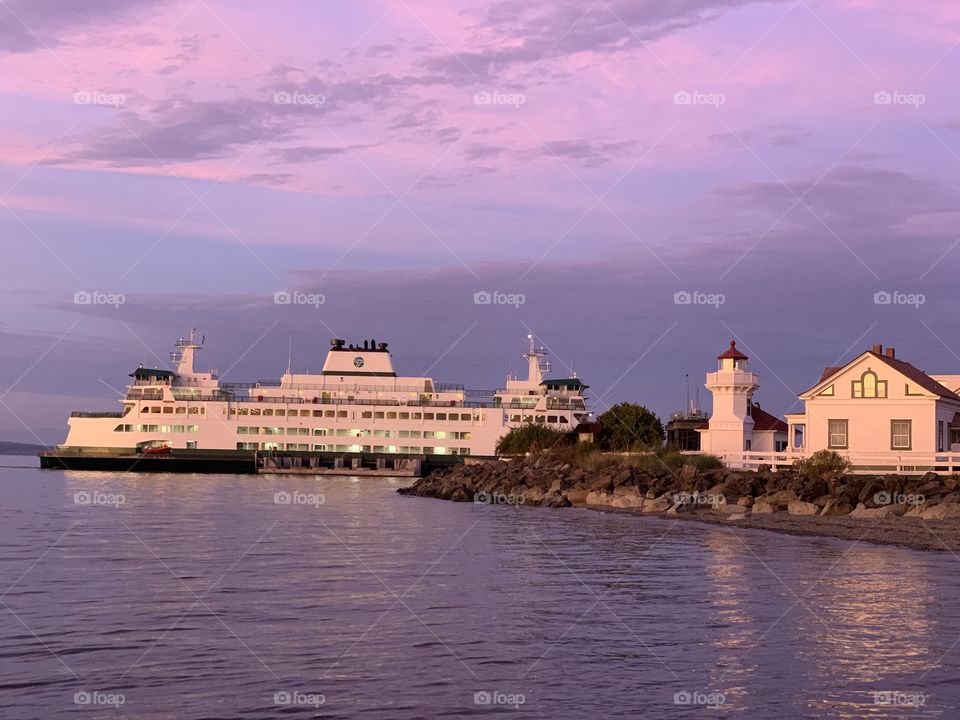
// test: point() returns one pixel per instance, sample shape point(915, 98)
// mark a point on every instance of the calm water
point(202, 597)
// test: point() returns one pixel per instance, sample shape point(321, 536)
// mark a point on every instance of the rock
point(781, 499)
point(688, 472)
point(598, 497)
point(659, 504)
point(533, 496)
point(555, 501)
point(762, 507)
point(745, 501)
point(737, 516)
point(799, 507)
point(460, 495)
point(866, 513)
point(577, 496)
point(943, 511)
point(836, 506)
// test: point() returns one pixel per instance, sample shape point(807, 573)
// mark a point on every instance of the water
point(201, 597)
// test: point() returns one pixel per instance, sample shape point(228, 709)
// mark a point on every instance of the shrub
point(821, 464)
point(705, 462)
point(529, 438)
point(627, 426)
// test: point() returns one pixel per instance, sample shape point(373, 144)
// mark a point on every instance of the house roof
point(914, 374)
point(762, 420)
point(732, 353)
point(918, 376)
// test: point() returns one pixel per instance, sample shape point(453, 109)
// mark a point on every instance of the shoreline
point(907, 533)
point(912, 512)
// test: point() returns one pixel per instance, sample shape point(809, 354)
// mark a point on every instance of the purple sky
point(792, 159)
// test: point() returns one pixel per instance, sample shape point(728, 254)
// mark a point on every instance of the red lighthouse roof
point(732, 353)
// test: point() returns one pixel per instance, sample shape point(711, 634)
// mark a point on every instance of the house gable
point(872, 375)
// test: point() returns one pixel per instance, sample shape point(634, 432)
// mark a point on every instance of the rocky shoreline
point(920, 512)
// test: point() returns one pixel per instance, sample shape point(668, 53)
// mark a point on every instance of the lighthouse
point(731, 425)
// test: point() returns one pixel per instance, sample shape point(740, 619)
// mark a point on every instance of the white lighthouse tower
point(730, 429)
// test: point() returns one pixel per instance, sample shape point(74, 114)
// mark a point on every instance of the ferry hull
point(244, 463)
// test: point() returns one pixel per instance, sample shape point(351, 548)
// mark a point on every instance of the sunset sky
point(790, 166)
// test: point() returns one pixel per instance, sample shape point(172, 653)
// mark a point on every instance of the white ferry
point(357, 404)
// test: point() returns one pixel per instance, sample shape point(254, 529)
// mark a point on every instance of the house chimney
point(878, 349)
point(892, 353)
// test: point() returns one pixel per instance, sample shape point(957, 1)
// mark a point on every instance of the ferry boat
point(356, 404)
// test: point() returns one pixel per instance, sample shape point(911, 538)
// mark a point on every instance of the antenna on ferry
point(289, 351)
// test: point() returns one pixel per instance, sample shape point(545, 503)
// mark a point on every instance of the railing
point(111, 414)
point(861, 463)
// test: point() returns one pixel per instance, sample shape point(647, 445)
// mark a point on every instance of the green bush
point(821, 464)
point(705, 462)
point(630, 427)
point(529, 438)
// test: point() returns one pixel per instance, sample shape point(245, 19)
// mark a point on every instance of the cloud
point(27, 25)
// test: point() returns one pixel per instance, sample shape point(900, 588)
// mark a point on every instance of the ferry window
point(404, 416)
point(366, 415)
point(378, 415)
point(241, 411)
point(319, 431)
point(341, 413)
point(179, 428)
point(428, 433)
point(168, 410)
point(318, 413)
point(253, 411)
point(563, 419)
point(330, 413)
point(241, 430)
point(551, 418)
point(391, 416)
point(191, 444)
point(441, 416)
point(181, 410)
point(416, 416)
point(427, 450)
point(466, 436)
point(428, 416)
point(203, 411)
point(464, 451)
point(476, 417)
point(528, 418)
point(118, 428)
point(304, 413)
point(280, 412)
point(155, 410)
point(268, 411)
point(193, 428)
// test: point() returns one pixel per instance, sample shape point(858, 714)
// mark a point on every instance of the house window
point(941, 427)
point(868, 386)
point(900, 434)
point(838, 432)
point(780, 445)
point(827, 392)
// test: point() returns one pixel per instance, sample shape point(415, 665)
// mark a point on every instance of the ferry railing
point(382, 402)
point(82, 414)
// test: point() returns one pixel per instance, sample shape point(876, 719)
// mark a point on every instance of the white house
point(878, 404)
point(738, 424)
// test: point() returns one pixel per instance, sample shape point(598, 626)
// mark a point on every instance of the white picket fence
point(905, 463)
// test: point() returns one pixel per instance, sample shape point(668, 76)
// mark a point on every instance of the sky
point(636, 182)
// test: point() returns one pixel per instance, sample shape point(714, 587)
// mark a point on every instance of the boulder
point(577, 496)
point(598, 497)
point(780, 499)
point(867, 513)
point(745, 501)
point(799, 507)
point(836, 506)
point(659, 504)
point(763, 507)
point(942, 511)
point(737, 516)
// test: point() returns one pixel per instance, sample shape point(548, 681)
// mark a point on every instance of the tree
point(628, 426)
point(529, 438)
point(823, 464)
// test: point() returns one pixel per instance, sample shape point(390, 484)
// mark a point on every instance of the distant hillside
point(19, 448)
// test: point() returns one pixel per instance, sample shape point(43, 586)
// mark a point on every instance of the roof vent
point(891, 353)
